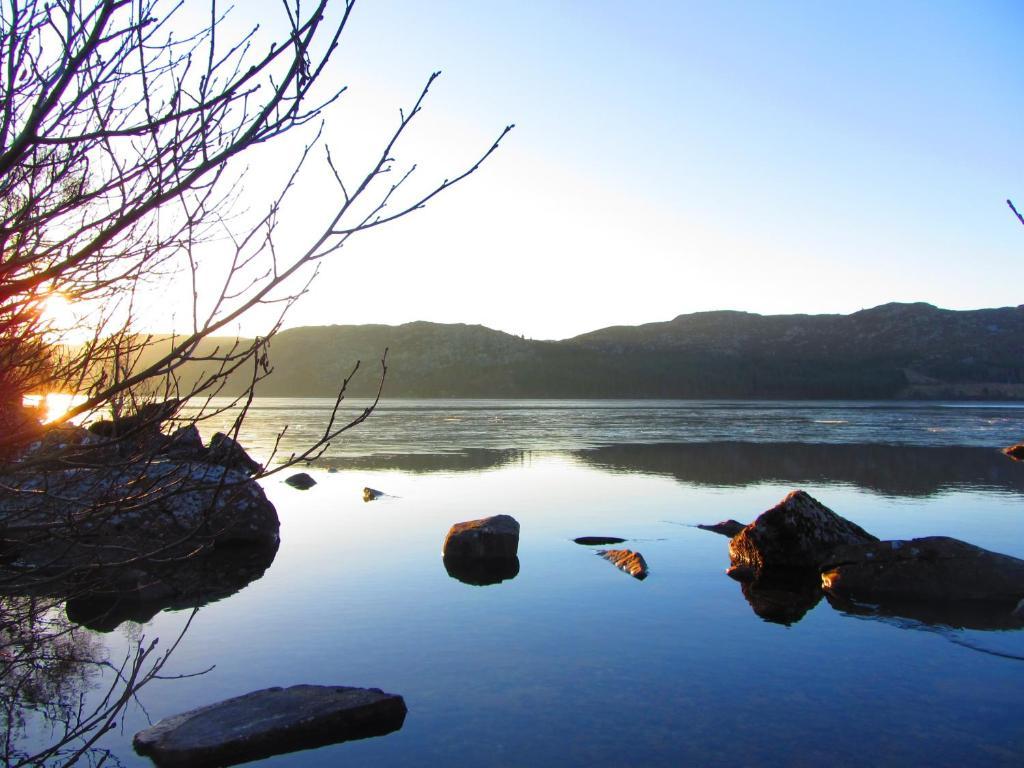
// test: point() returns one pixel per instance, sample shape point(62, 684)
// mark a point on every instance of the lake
point(574, 663)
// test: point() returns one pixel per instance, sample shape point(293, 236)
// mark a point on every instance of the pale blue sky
point(675, 157)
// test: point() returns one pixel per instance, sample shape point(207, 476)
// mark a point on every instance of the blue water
point(573, 662)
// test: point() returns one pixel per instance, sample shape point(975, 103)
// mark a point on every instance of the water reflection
point(886, 469)
point(470, 460)
point(978, 615)
point(782, 598)
point(482, 572)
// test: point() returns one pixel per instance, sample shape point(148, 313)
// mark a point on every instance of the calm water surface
point(574, 663)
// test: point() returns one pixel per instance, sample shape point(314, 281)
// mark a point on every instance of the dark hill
point(891, 351)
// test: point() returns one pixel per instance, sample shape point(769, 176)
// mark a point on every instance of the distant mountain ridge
point(890, 351)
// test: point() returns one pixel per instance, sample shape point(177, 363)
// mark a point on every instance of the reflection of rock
point(798, 532)
point(488, 538)
point(727, 527)
point(300, 480)
point(936, 569)
point(465, 460)
point(978, 615)
point(1015, 452)
point(371, 494)
point(626, 560)
point(601, 541)
point(139, 593)
point(779, 599)
point(482, 572)
point(270, 722)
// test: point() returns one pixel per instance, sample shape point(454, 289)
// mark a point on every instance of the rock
point(488, 538)
point(226, 452)
point(132, 509)
point(1015, 452)
point(186, 442)
point(727, 527)
point(371, 494)
point(482, 572)
point(626, 560)
point(147, 419)
point(797, 533)
point(270, 722)
point(300, 480)
point(932, 569)
point(601, 541)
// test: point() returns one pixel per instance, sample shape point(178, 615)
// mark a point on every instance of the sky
point(671, 157)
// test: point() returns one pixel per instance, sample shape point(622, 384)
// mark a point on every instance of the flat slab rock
point(627, 560)
point(600, 541)
point(488, 537)
point(797, 533)
point(270, 722)
point(934, 568)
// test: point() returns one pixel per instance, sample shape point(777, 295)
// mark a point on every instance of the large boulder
point(932, 569)
point(73, 518)
point(494, 538)
point(270, 722)
point(797, 533)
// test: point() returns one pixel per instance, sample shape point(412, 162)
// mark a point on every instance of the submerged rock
point(797, 533)
point(626, 560)
point(1015, 452)
point(932, 569)
point(371, 494)
point(727, 527)
point(487, 538)
point(270, 722)
point(601, 541)
point(300, 480)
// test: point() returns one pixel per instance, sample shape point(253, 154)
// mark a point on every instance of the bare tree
point(121, 130)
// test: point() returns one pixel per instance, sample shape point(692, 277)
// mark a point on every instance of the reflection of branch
point(1015, 213)
point(81, 725)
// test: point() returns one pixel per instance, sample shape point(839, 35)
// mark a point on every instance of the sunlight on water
point(54, 405)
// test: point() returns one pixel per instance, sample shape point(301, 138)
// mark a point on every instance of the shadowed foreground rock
point(270, 722)
point(626, 560)
point(490, 537)
point(727, 527)
point(300, 480)
point(932, 569)
point(601, 541)
point(797, 533)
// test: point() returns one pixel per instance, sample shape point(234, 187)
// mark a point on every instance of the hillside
point(891, 351)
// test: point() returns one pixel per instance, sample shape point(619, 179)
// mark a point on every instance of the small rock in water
point(490, 537)
point(270, 722)
point(301, 480)
point(727, 527)
point(626, 560)
point(370, 494)
point(590, 541)
point(1015, 452)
